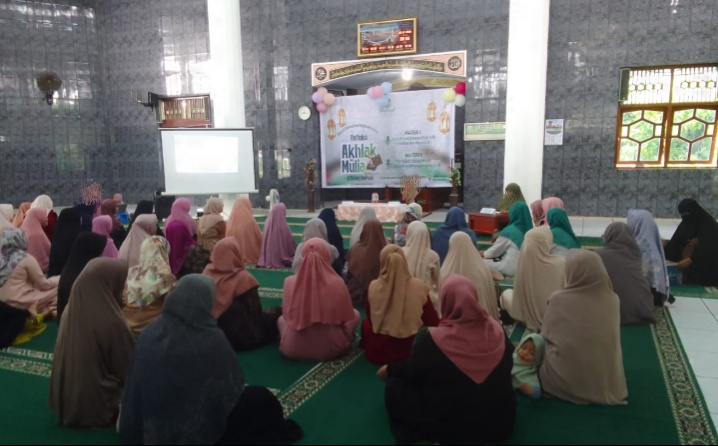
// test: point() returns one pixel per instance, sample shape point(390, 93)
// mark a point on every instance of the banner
point(365, 146)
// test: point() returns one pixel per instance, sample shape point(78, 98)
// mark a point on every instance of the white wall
point(526, 95)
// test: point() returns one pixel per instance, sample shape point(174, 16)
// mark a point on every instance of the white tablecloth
point(387, 213)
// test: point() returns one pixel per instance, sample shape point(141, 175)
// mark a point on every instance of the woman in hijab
point(538, 276)
point(145, 207)
point(564, 238)
point(273, 198)
point(455, 388)
point(365, 215)
point(148, 283)
point(93, 349)
point(503, 256)
point(118, 233)
point(20, 216)
point(583, 363)
point(45, 202)
point(423, 263)
point(214, 406)
point(38, 245)
point(87, 246)
point(144, 228)
point(316, 228)
point(465, 261)
point(537, 213)
point(411, 215)
point(398, 305)
point(66, 231)
point(363, 261)
point(242, 226)
point(103, 225)
point(212, 227)
point(238, 308)
point(181, 247)
point(624, 263)
point(278, 245)
point(6, 216)
point(648, 238)
point(455, 222)
point(694, 245)
point(318, 321)
point(22, 282)
point(335, 236)
point(512, 195)
point(180, 212)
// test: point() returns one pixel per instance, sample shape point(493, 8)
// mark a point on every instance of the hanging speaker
point(624, 84)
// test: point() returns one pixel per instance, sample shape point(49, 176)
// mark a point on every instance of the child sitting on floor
point(527, 359)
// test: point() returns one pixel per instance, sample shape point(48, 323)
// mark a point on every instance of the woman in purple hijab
point(181, 244)
point(278, 245)
point(180, 212)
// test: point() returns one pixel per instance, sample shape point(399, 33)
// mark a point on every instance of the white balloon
point(460, 100)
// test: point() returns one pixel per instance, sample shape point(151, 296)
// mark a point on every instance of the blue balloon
point(383, 102)
point(386, 86)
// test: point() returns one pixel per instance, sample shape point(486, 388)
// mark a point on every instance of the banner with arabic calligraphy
point(365, 146)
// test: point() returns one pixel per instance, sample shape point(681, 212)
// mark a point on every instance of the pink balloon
point(376, 92)
point(317, 97)
point(460, 88)
point(322, 107)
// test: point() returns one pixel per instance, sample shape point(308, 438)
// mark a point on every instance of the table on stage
point(385, 212)
point(487, 223)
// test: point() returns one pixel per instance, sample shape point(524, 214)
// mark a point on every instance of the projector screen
point(208, 161)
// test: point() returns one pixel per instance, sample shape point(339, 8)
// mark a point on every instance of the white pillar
point(227, 76)
point(526, 95)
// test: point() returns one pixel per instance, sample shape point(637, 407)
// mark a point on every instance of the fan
point(49, 82)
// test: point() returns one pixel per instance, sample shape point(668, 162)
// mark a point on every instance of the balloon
point(317, 97)
point(460, 100)
point(449, 95)
point(322, 90)
point(376, 92)
point(386, 87)
point(383, 102)
point(460, 88)
point(329, 99)
point(322, 107)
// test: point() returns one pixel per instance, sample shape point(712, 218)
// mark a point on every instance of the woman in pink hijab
point(180, 212)
point(237, 307)
point(547, 205)
point(278, 245)
point(318, 322)
point(103, 225)
point(38, 244)
point(181, 244)
point(456, 387)
point(242, 226)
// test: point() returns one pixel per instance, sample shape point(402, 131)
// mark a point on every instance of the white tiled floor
point(697, 324)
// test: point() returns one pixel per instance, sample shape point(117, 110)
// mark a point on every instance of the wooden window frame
point(664, 149)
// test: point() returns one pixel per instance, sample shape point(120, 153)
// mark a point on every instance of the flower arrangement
point(455, 176)
point(310, 174)
point(410, 187)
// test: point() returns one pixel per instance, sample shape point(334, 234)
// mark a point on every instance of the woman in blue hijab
point(455, 222)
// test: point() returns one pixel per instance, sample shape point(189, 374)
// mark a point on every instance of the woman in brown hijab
point(398, 305)
point(93, 349)
point(20, 216)
point(212, 227)
point(363, 261)
point(582, 329)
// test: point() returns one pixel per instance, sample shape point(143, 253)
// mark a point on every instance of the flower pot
point(310, 201)
point(454, 200)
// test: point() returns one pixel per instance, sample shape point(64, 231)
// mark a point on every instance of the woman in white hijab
point(463, 259)
point(538, 276)
point(423, 262)
point(273, 198)
point(366, 214)
point(583, 362)
point(7, 213)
